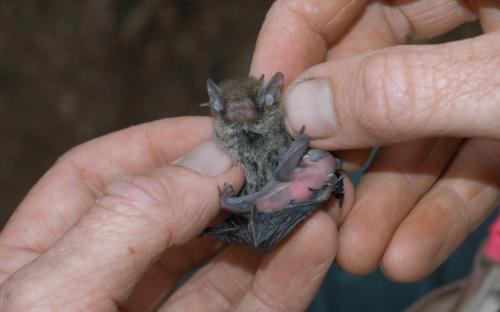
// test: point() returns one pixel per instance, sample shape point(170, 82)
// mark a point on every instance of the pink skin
point(312, 173)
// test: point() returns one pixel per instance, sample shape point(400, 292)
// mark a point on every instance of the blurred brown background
point(74, 70)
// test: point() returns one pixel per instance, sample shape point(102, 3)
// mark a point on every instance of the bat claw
point(334, 186)
point(338, 191)
point(227, 191)
point(331, 180)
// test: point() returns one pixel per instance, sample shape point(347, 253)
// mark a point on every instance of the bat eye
point(269, 100)
point(266, 100)
point(269, 93)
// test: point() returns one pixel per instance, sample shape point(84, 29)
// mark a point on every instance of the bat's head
point(244, 100)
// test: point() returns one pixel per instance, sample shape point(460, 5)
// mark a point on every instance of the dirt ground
point(74, 70)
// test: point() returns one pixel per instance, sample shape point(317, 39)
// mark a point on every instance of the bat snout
point(242, 111)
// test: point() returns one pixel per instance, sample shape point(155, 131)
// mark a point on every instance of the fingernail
point(207, 159)
point(309, 103)
point(386, 276)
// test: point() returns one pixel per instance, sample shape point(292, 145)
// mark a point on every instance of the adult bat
point(301, 183)
point(249, 127)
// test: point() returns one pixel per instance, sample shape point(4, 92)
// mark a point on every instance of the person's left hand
point(114, 224)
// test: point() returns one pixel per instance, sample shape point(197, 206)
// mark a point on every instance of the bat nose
point(241, 110)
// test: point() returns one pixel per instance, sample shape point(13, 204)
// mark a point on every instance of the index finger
point(69, 188)
point(289, 278)
point(297, 34)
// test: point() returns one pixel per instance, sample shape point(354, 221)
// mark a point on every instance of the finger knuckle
point(142, 198)
point(266, 301)
point(387, 86)
point(20, 295)
point(210, 291)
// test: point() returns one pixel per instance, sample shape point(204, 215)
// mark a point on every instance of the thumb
point(127, 229)
point(399, 94)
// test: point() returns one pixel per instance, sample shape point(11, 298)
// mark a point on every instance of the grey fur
point(257, 144)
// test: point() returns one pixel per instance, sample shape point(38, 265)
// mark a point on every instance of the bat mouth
point(240, 111)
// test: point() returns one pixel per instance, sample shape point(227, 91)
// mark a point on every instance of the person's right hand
point(421, 197)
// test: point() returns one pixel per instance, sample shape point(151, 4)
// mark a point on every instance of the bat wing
point(234, 230)
point(272, 228)
point(269, 229)
point(266, 230)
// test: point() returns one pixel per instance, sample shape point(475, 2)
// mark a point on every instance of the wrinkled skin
point(300, 184)
point(426, 189)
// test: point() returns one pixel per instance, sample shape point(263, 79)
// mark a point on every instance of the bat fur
point(249, 126)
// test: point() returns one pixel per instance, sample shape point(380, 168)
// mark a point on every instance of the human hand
point(427, 189)
point(114, 224)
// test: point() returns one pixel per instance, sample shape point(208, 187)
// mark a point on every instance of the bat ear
point(215, 97)
point(269, 93)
